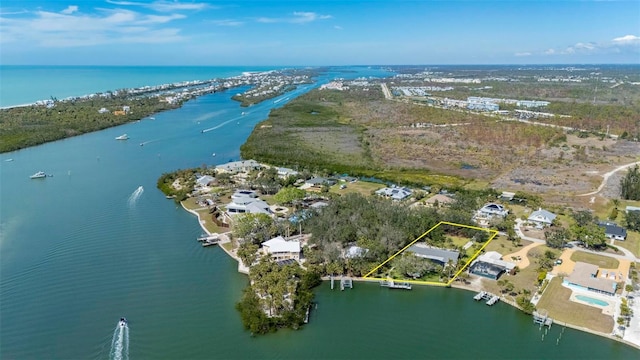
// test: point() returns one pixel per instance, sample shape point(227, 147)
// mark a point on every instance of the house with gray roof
point(541, 217)
point(585, 276)
point(441, 256)
point(235, 167)
point(395, 193)
point(205, 180)
point(491, 265)
point(614, 231)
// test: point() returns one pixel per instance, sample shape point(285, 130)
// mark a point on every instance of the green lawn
point(599, 260)
point(632, 243)
point(363, 187)
point(502, 245)
point(556, 301)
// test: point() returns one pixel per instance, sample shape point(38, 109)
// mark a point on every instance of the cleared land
point(556, 301)
point(357, 131)
point(599, 260)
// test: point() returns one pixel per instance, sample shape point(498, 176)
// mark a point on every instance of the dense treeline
point(381, 227)
point(26, 126)
point(186, 180)
point(279, 296)
point(630, 184)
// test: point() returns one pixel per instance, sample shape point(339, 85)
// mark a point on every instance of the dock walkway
point(483, 295)
point(395, 285)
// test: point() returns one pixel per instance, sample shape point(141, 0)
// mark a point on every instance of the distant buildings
point(238, 166)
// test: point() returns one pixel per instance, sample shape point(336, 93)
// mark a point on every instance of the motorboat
point(214, 154)
point(8, 160)
point(38, 175)
point(123, 322)
point(122, 137)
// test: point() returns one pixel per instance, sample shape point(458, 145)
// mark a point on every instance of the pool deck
point(607, 310)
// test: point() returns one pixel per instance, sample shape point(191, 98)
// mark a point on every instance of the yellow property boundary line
point(493, 232)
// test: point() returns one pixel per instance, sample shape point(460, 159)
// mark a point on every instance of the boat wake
point(133, 198)
point(221, 124)
point(120, 343)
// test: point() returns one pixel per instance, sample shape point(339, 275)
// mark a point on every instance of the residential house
point(244, 196)
point(205, 180)
point(541, 218)
point(103, 111)
point(491, 265)
point(286, 172)
point(395, 193)
point(280, 249)
point(440, 256)
point(585, 276)
point(491, 210)
point(439, 200)
point(247, 202)
point(239, 166)
point(318, 182)
point(613, 231)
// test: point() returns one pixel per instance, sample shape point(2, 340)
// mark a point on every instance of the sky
point(321, 32)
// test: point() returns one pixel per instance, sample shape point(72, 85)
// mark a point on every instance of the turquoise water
point(27, 84)
point(79, 251)
point(591, 300)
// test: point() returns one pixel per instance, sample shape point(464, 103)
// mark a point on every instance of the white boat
point(122, 137)
point(214, 154)
point(8, 160)
point(123, 322)
point(38, 175)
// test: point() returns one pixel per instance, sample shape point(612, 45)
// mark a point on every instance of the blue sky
point(328, 32)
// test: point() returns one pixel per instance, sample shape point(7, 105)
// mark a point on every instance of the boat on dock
point(38, 175)
point(208, 240)
point(122, 137)
point(395, 285)
point(489, 297)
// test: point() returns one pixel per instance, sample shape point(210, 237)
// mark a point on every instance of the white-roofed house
point(541, 217)
point(395, 193)
point(205, 180)
point(280, 249)
point(238, 166)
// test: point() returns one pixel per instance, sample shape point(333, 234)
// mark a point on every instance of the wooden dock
point(395, 285)
point(542, 319)
point(346, 282)
point(483, 295)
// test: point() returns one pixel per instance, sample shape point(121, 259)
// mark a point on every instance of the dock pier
point(395, 285)
point(483, 295)
point(208, 240)
point(542, 319)
point(346, 282)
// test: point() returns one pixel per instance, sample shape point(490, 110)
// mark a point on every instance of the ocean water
point(27, 84)
point(97, 241)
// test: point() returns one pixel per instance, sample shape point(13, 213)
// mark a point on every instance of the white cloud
point(163, 6)
point(299, 17)
point(227, 22)
point(627, 39)
point(69, 10)
point(522, 54)
point(107, 26)
point(338, 27)
point(549, 52)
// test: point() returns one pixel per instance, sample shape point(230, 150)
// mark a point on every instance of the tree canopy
point(630, 184)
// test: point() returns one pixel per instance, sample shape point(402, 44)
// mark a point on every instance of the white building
point(541, 217)
point(280, 249)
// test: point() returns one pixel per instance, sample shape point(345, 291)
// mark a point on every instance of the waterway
point(98, 241)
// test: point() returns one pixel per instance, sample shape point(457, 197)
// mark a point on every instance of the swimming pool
point(591, 300)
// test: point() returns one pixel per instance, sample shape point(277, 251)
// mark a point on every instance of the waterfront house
point(235, 167)
point(613, 231)
point(491, 265)
point(541, 218)
point(280, 249)
point(205, 180)
point(585, 276)
point(395, 193)
point(247, 205)
point(440, 256)
point(286, 172)
point(318, 182)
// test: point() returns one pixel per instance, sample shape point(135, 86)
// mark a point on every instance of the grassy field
point(556, 301)
point(362, 187)
point(632, 243)
point(599, 260)
point(502, 245)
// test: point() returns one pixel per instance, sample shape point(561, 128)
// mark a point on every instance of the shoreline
point(455, 286)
